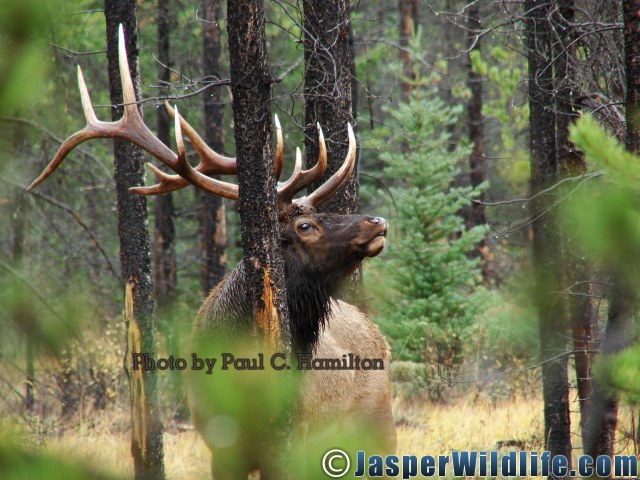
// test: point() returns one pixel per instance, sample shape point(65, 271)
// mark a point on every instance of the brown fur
point(317, 257)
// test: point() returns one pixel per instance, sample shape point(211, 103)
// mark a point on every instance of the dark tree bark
point(631, 10)
point(475, 124)
point(546, 239)
point(213, 230)
point(474, 116)
point(582, 313)
point(600, 427)
point(135, 255)
point(328, 90)
point(623, 297)
point(251, 89)
point(352, 70)
point(409, 11)
point(164, 234)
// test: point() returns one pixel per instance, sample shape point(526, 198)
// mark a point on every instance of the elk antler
point(324, 191)
point(131, 127)
point(169, 183)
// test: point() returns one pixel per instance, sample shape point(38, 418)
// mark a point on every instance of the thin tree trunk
point(474, 115)
point(135, 256)
point(352, 70)
point(164, 234)
point(546, 240)
point(328, 90)
point(582, 313)
point(213, 228)
point(475, 124)
point(600, 427)
point(408, 10)
point(622, 303)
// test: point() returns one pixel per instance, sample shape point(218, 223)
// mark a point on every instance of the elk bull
point(319, 251)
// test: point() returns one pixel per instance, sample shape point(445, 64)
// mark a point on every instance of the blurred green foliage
point(603, 214)
point(23, 49)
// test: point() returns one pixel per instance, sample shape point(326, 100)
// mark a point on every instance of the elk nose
point(378, 221)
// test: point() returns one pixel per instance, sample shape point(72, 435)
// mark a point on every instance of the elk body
point(319, 251)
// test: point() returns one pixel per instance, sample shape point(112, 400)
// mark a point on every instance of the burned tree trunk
point(164, 233)
point(251, 88)
point(328, 93)
point(623, 298)
point(546, 239)
point(135, 256)
point(213, 234)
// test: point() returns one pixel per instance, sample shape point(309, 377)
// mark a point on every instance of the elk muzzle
point(371, 238)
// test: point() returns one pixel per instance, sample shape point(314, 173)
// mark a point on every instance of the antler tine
point(222, 189)
point(74, 140)
point(211, 163)
point(302, 178)
point(130, 127)
point(277, 159)
point(322, 193)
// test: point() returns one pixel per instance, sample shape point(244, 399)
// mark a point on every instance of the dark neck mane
point(309, 302)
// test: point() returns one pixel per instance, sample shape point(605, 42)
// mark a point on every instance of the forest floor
point(423, 428)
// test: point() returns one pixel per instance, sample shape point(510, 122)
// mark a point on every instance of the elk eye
point(304, 226)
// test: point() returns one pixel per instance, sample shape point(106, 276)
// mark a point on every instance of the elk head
point(319, 249)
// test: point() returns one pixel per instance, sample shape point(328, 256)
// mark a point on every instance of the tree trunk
point(135, 256)
point(408, 10)
point(623, 297)
point(327, 92)
point(251, 89)
point(546, 240)
point(600, 428)
point(583, 315)
point(213, 228)
point(258, 206)
point(474, 114)
point(475, 123)
point(631, 9)
point(164, 234)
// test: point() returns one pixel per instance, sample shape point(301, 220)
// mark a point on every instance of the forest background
point(498, 140)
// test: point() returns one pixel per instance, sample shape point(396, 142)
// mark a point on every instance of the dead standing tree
point(328, 92)
point(251, 88)
point(213, 234)
point(581, 309)
point(623, 297)
point(164, 231)
point(135, 251)
point(546, 237)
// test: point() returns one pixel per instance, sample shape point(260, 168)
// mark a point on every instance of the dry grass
point(424, 428)
point(470, 425)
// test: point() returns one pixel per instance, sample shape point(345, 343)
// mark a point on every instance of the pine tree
point(435, 282)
